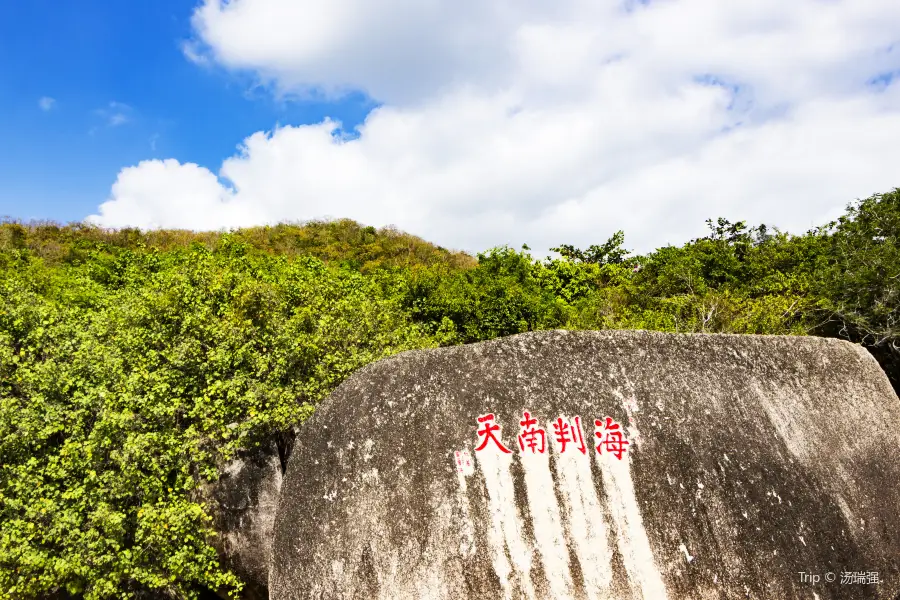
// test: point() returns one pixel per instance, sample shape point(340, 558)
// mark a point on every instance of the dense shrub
point(130, 377)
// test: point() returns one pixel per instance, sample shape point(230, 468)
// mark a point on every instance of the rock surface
point(242, 504)
point(758, 466)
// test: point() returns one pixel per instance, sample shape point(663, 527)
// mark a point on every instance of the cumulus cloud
point(546, 123)
point(46, 103)
point(191, 195)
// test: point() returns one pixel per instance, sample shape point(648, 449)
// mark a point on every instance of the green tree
point(129, 379)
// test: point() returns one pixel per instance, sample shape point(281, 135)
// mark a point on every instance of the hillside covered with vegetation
point(133, 364)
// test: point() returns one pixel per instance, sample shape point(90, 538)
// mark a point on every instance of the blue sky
point(498, 121)
point(60, 163)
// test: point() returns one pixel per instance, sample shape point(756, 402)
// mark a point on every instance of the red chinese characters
point(566, 434)
point(488, 434)
point(611, 437)
point(530, 435)
point(463, 462)
point(533, 438)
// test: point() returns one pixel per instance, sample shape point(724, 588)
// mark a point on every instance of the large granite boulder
point(242, 504)
point(758, 467)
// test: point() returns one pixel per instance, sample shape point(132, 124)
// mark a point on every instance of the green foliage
point(736, 279)
point(343, 242)
point(129, 378)
point(133, 364)
point(500, 296)
point(862, 279)
point(610, 252)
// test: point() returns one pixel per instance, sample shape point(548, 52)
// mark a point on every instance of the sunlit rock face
point(754, 464)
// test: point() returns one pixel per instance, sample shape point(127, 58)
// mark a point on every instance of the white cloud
point(547, 123)
point(46, 103)
point(117, 119)
point(192, 52)
point(115, 114)
point(192, 191)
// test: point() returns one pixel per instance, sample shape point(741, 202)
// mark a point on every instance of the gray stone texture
point(753, 459)
point(242, 504)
